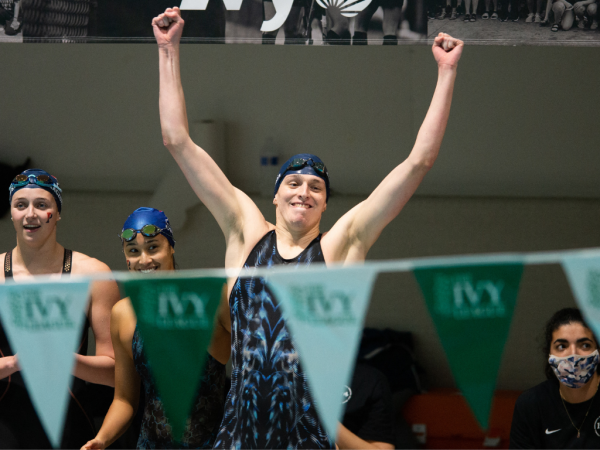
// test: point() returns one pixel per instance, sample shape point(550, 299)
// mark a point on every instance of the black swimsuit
point(19, 424)
point(269, 404)
point(204, 419)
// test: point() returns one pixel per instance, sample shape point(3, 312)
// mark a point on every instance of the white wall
point(428, 226)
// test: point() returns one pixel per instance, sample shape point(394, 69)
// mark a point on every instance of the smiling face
point(572, 339)
point(34, 214)
point(301, 200)
point(149, 254)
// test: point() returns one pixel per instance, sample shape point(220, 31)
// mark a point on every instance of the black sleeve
point(378, 423)
point(523, 432)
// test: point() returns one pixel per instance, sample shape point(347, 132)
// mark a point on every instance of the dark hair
point(562, 317)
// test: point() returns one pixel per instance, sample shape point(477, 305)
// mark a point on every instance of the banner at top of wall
point(175, 322)
point(303, 22)
point(43, 322)
point(472, 308)
point(325, 314)
point(300, 22)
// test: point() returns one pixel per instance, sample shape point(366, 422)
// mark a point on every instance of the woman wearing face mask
point(149, 246)
point(563, 411)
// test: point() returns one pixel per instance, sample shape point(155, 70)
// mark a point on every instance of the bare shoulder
point(122, 323)
point(250, 211)
point(253, 227)
point(123, 311)
point(341, 243)
point(84, 264)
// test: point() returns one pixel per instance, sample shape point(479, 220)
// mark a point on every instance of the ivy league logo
point(315, 304)
point(165, 307)
point(461, 297)
point(347, 8)
point(32, 311)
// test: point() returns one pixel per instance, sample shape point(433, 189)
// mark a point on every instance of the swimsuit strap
point(67, 263)
point(8, 265)
point(67, 260)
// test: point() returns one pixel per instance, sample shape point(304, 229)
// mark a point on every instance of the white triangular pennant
point(583, 273)
point(43, 324)
point(325, 313)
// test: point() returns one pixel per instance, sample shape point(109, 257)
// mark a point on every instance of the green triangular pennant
point(472, 308)
point(175, 320)
point(325, 312)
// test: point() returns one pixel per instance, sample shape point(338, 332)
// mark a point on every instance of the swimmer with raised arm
point(269, 404)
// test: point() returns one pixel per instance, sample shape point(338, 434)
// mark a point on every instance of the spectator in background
point(293, 25)
point(450, 11)
point(486, 14)
point(513, 14)
point(535, 14)
point(369, 418)
point(9, 16)
point(586, 10)
point(392, 13)
point(563, 411)
point(473, 16)
point(563, 15)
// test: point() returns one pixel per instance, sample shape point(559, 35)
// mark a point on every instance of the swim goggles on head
point(299, 163)
point(147, 230)
point(40, 180)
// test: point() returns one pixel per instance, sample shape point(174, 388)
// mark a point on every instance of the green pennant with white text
point(472, 309)
point(175, 320)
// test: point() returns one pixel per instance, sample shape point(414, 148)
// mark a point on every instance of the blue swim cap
point(150, 216)
point(305, 164)
point(32, 182)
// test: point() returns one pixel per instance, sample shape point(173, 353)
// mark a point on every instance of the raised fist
point(168, 27)
point(447, 50)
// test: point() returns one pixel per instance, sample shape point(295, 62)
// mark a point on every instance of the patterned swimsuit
point(204, 420)
point(269, 404)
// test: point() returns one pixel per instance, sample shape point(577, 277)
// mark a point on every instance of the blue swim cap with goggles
point(36, 179)
point(305, 164)
point(148, 222)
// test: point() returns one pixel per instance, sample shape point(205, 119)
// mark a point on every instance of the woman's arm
point(231, 209)
point(362, 225)
point(127, 381)
point(220, 345)
point(346, 439)
point(100, 368)
point(8, 366)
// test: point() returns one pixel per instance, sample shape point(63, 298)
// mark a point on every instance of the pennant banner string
point(397, 265)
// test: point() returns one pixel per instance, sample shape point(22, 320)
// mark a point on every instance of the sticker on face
point(49, 217)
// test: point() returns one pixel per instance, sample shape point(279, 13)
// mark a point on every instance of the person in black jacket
point(563, 411)
point(369, 416)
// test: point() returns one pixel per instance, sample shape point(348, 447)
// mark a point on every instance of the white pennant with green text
point(583, 274)
point(43, 324)
point(325, 314)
